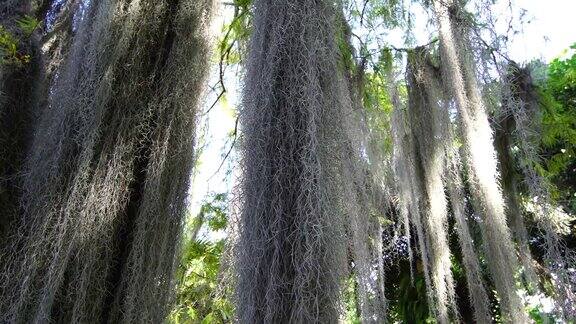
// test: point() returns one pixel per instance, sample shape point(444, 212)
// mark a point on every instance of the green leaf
point(27, 24)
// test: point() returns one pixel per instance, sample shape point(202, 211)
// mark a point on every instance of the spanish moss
point(20, 85)
point(411, 198)
point(105, 191)
point(480, 157)
point(291, 228)
point(307, 164)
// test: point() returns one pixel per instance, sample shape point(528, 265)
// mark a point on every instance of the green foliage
point(346, 63)
point(390, 13)
point(198, 275)
point(558, 96)
point(12, 51)
point(235, 34)
point(27, 25)
point(214, 213)
point(379, 110)
point(198, 280)
point(351, 301)
point(8, 47)
point(540, 317)
point(385, 62)
point(411, 305)
point(377, 102)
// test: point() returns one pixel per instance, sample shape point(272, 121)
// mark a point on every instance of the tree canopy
point(389, 161)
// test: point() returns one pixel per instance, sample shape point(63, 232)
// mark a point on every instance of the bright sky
point(550, 31)
point(211, 176)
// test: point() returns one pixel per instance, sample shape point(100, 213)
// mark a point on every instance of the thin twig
point(363, 12)
point(234, 139)
point(224, 57)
